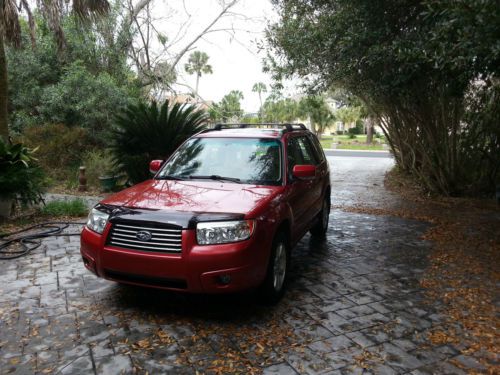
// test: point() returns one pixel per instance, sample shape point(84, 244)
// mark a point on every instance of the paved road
point(354, 306)
point(360, 180)
point(358, 154)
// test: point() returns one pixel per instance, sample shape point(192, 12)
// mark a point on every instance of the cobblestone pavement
point(354, 306)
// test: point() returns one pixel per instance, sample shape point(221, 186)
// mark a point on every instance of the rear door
point(322, 169)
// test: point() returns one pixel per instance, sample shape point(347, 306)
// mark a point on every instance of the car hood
point(194, 196)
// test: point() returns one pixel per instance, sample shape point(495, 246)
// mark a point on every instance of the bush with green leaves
point(358, 129)
point(150, 131)
point(83, 99)
point(75, 207)
point(20, 177)
point(83, 85)
point(61, 148)
point(98, 163)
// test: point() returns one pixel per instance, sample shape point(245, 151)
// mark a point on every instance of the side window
point(308, 153)
point(318, 150)
point(294, 154)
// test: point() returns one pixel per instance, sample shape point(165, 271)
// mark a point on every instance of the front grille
point(163, 239)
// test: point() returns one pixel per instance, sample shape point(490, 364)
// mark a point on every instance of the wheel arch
point(285, 226)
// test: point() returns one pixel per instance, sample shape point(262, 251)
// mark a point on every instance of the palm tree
point(147, 131)
point(197, 64)
point(259, 88)
point(10, 32)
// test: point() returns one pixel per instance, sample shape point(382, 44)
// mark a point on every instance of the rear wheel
point(321, 226)
point(274, 285)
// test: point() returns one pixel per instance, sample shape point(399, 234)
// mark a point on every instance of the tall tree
point(198, 64)
point(276, 109)
point(428, 69)
point(10, 31)
point(259, 88)
point(230, 106)
point(317, 110)
point(348, 115)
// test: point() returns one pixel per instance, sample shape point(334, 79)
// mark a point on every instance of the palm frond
point(146, 132)
point(90, 9)
point(10, 22)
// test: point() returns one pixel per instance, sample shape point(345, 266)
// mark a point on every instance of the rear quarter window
point(317, 149)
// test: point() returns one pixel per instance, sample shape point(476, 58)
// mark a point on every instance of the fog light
point(224, 279)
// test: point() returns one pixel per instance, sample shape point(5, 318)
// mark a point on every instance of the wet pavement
point(354, 306)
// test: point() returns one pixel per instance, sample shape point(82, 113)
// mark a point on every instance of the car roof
point(251, 130)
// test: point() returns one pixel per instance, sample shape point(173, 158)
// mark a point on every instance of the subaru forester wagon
point(220, 215)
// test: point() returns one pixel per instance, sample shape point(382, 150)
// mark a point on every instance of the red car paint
point(291, 207)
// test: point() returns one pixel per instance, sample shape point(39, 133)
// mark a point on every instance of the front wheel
point(321, 226)
point(274, 285)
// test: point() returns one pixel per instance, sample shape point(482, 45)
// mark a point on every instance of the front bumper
point(196, 269)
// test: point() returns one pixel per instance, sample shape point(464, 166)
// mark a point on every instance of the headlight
point(97, 220)
point(224, 231)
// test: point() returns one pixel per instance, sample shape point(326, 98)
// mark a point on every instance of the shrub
point(75, 207)
point(61, 147)
point(84, 99)
point(147, 131)
point(352, 135)
point(20, 177)
point(358, 129)
point(97, 163)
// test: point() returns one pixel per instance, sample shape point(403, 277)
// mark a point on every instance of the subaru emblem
point(143, 235)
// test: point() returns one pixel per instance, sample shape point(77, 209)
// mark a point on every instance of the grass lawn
point(75, 207)
point(347, 143)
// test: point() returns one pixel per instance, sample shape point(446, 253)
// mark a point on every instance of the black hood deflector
point(184, 220)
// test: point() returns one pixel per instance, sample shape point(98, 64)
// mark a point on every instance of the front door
point(304, 194)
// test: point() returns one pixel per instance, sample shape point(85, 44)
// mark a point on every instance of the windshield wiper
point(169, 177)
point(216, 177)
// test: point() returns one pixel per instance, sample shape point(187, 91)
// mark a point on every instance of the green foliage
point(60, 147)
point(358, 129)
point(229, 108)
point(259, 88)
point(317, 110)
point(98, 163)
point(280, 110)
point(75, 207)
point(250, 120)
point(20, 177)
point(83, 99)
point(147, 131)
point(83, 85)
point(198, 64)
point(352, 133)
point(429, 69)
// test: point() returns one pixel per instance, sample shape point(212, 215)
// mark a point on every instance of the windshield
point(244, 160)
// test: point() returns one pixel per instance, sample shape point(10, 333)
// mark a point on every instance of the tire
point(320, 228)
point(274, 285)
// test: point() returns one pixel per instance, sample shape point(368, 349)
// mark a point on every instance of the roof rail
point(266, 125)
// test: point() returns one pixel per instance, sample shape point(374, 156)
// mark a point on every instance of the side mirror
point(155, 165)
point(304, 172)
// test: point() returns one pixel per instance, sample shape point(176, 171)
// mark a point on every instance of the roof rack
point(266, 125)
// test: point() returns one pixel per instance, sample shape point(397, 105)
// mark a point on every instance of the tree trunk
point(4, 115)
point(197, 84)
point(260, 109)
point(369, 130)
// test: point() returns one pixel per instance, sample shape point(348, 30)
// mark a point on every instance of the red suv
point(220, 215)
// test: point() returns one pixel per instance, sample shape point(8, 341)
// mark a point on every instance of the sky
point(235, 59)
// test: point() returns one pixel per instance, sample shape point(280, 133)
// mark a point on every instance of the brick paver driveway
point(354, 306)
